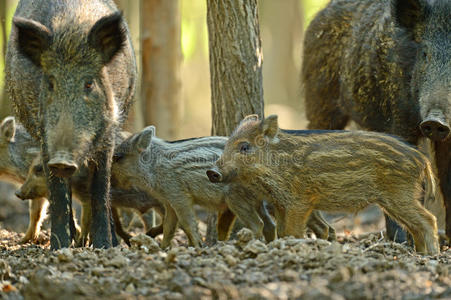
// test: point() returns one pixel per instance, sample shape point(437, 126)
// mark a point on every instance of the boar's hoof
point(434, 129)
point(20, 195)
point(214, 176)
point(62, 168)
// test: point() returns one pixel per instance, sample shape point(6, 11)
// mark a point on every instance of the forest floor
point(360, 265)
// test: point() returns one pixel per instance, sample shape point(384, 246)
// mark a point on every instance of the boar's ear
point(270, 126)
point(33, 38)
point(8, 128)
point(409, 13)
point(108, 36)
point(144, 139)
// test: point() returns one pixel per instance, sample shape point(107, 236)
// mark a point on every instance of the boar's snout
point(435, 127)
point(60, 166)
point(20, 194)
point(214, 176)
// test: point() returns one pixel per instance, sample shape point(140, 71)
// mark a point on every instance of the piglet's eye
point(244, 147)
point(89, 84)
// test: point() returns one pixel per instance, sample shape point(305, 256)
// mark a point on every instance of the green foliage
point(11, 7)
point(194, 28)
point(310, 8)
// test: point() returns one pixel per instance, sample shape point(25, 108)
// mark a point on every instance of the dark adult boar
point(385, 65)
point(70, 72)
point(340, 171)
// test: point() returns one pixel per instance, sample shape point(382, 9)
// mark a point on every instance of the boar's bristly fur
point(386, 66)
point(71, 73)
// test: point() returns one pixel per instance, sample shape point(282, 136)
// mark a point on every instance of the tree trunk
point(161, 61)
point(235, 68)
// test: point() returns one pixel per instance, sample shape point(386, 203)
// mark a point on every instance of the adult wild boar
point(385, 65)
point(71, 73)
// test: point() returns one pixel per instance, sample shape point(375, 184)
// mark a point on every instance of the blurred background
point(171, 44)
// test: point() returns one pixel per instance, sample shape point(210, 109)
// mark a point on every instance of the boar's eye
point(38, 170)
point(244, 147)
point(117, 157)
point(89, 84)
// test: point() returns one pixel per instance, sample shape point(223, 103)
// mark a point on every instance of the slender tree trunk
point(161, 61)
point(235, 68)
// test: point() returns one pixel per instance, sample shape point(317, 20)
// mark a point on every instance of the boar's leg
point(224, 226)
point(269, 227)
point(60, 212)
point(37, 212)
point(74, 229)
point(156, 230)
point(248, 215)
point(320, 227)
point(187, 220)
point(60, 206)
point(395, 232)
point(118, 225)
point(86, 217)
point(101, 233)
point(114, 240)
point(169, 226)
point(418, 221)
point(296, 220)
point(443, 159)
point(245, 206)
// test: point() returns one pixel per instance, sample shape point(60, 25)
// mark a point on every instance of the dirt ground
point(361, 265)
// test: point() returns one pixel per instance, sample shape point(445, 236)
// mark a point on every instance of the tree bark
point(161, 61)
point(235, 68)
point(236, 60)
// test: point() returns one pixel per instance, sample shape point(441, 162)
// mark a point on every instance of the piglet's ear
point(144, 139)
point(8, 128)
point(270, 127)
point(108, 36)
point(248, 118)
point(253, 117)
point(33, 38)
